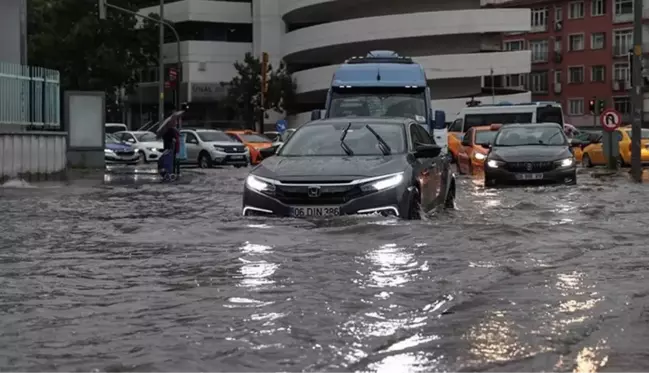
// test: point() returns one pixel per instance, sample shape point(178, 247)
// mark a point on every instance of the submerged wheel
point(449, 203)
point(204, 160)
point(586, 162)
point(414, 212)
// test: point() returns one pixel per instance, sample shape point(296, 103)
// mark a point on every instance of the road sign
point(610, 120)
point(280, 126)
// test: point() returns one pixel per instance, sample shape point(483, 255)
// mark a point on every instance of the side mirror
point(316, 114)
point(268, 152)
point(427, 151)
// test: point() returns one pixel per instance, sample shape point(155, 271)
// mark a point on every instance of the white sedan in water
point(145, 143)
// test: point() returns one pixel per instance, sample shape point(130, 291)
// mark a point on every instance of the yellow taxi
point(593, 154)
point(475, 147)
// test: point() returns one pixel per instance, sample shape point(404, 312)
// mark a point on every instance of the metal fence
point(29, 96)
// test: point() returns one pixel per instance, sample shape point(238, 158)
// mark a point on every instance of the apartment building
point(579, 52)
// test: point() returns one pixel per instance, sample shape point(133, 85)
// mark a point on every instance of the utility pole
point(161, 67)
point(493, 87)
point(636, 83)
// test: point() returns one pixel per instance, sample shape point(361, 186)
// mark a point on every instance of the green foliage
point(244, 98)
point(91, 54)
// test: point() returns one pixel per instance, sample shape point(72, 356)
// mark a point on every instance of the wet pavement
point(170, 277)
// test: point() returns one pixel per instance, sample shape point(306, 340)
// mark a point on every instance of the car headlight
point(566, 162)
point(492, 163)
point(259, 185)
point(151, 149)
point(108, 151)
point(479, 156)
point(218, 148)
point(382, 184)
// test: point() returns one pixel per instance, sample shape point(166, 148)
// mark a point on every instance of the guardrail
point(29, 96)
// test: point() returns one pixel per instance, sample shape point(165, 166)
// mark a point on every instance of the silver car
point(209, 148)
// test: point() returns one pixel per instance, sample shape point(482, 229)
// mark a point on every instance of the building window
point(210, 31)
point(597, 8)
point(623, 7)
point(539, 19)
point(621, 72)
point(622, 42)
point(576, 10)
point(576, 74)
point(558, 14)
point(598, 40)
point(557, 45)
point(539, 50)
point(598, 73)
point(539, 82)
point(514, 81)
point(514, 45)
point(576, 42)
point(622, 104)
point(576, 106)
point(557, 76)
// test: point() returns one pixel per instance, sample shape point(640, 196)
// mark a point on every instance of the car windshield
point(644, 133)
point(324, 140)
point(146, 137)
point(254, 138)
point(110, 139)
point(530, 135)
point(375, 102)
point(485, 137)
point(209, 136)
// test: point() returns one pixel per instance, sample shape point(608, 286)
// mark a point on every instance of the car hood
point(530, 153)
point(260, 145)
point(328, 168)
point(119, 147)
point(226, 143)
point(152, 144)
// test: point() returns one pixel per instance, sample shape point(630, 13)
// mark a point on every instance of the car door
point(191, 143)
point(436, 169)
point(464, 153)
point(422, 167)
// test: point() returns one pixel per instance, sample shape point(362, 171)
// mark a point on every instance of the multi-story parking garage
point(457, 42)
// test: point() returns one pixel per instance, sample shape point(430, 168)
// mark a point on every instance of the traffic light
point(601, 106)
point(591, 105)
point(264, 72)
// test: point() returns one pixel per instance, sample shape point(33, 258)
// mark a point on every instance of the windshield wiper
point(346, 147)
point(385, 148)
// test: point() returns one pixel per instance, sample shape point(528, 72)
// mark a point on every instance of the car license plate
point(529, 176)
point(236, 157)
point(309, 211)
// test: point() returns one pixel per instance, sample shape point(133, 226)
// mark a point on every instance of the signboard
point(610, 120)
point(207, 92)
point(280, 126)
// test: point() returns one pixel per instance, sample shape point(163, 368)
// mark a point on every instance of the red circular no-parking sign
point(610, 120)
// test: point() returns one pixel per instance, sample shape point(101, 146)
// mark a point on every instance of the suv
point(208, 148)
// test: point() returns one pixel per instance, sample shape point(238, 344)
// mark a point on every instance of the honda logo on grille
point(529, 167)
point(314, 191)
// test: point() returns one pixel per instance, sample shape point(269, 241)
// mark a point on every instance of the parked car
point(116, 151)
point(145, 143)
point(253, 141)
point(209, 148)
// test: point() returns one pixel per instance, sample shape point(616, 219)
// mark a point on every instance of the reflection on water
point(396, 266)
point(590, 359)
point(402, 363)
point(256, 272)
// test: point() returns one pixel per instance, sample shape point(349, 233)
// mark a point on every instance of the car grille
point(125, 153)
point(530, 166)
point(234, 149)
point(329, 195)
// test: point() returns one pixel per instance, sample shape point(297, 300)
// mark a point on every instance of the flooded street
point(171, 278)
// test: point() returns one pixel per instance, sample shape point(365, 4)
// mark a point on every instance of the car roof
point(360, 120)
point(545, 124)
point(200, 130)
point(483, 128)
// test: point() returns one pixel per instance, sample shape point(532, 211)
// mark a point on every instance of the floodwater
point(171, 278)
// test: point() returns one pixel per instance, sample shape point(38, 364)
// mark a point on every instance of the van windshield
point(379, 102)
point(549, 114)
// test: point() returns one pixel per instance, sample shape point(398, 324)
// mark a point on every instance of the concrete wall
point(32, 155)
point(11, 31)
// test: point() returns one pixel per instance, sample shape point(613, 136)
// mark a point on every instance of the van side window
point(456, 126)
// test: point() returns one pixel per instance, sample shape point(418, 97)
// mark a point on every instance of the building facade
point(579, 53)
point(457, 42)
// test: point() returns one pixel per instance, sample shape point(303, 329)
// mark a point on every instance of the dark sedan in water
point(348, 166)
point(530, 153)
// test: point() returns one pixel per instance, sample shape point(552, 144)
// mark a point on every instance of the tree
point(90, 54)
point(244, 90)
